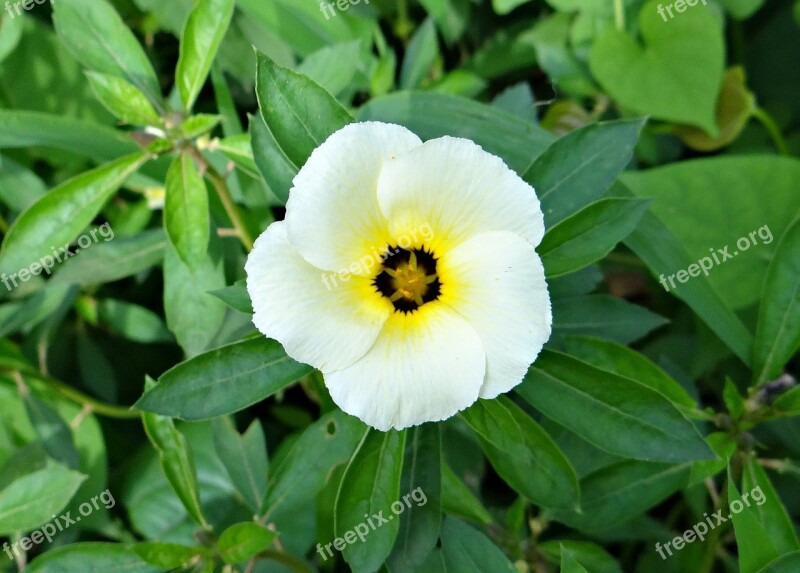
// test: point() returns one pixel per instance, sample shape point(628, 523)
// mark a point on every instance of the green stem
point(224, 194)
point(101, 408)
point(619, 15)
point(291, 562)
point(772, 128)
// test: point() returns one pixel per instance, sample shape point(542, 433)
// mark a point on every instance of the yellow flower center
point(408, 279)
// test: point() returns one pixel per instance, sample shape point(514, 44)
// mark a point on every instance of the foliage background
point(651, 143)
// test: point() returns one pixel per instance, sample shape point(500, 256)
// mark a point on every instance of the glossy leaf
point(242, 541)
point(123, 99)
point(299, 114)
point(59, 217)
point(201, 38)
point(186, 216)
point(223, 381)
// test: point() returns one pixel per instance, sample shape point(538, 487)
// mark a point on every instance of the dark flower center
point(408, 278)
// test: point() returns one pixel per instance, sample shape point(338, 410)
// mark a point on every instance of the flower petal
point(333, 214)
point(328, 328)
point(496, 282)
point(425, 366)
point(459, 190)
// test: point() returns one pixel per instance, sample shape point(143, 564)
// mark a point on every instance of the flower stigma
point(408, 279)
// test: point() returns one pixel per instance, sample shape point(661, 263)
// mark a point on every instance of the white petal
point(459, 190)
point(327, 328)
point(496, 282)
point(425, 366)
point(333, 214)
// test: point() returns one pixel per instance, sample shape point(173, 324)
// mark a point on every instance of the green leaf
point(54, 433)
point(123, 99)
point(166, 555)
point(789, 403)
point(193, 315)
point(466, 549)
point(245, 459)
point(588, 554)
point(658, 79)
point(778, 331)
point(420, 55)
point(59, 217)
point(431, 115)
point(27, 186)
point(720, 211)
point(242, 541)
point(655, 244)
point(621, 491)
point(202, 35)
point(768, 508)
point(616, 414)
point(176, 461)
point(115, 260)
point(324, 66)
point(788, 563)
point(98, 38)
point(569, 564)
point(588, 235)
point(603, 316)
point(92, 558)
point(735, 106)
point(299, 114)
point(756, 546)
point(734, 401)
point(199, 124)
point(370, 486)
point(186, 217)
point(31, 500)
point(458, 499)
point(580, 167)
point(275, 167)
point(223, 381)
point(21, 129)
point(132, 321)
point(421, 483)
point(327, 442)
point(235, 296)
point(523, 454)
point(626, 362)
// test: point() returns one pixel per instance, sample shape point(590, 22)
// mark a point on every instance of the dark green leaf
point(778, 331)
point(245, 459)
point(223, 381)
point(581, 166)
point(299, 114)
point(370, 487)
point(616, 414)
point(465, 549)
point(524, 455)
point(588, 235)
point(603, 316)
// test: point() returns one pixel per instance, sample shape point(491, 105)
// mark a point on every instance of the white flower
point(406, 273)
